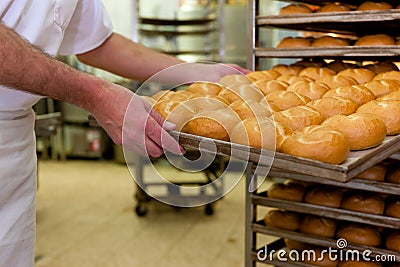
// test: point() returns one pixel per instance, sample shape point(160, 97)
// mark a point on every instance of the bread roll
point(313, 90)
point(363, 201)
point(316, 225)
point(362, 130)
point(241, 92)
point(294, 42)
point(207, 102)
point(382, 87)
point(217, 124)
point(329, 41)
point(333, 7)
point(260, 133)
point(338, 65)
point(336, 105)
point(234, 79)
point(357, 93)
point(285, 99)
point(267, 86)
point(387, 110)
point(290, 191)
point(205, 88)
point(353, 263)
point(318, 143)
point(321, 259)
point(393, 207)
point(249, 109)
point(285, 69)
point(160, 95)
point(389, 75)
point(381, 67)
point(316, 72)
point(374, 173)
point(393, 174)
point(368, 5)
point(375, 40)
point(319, 63)
point(299, 117)
point(295, 9)
point(282, 219)
point(263, 75)
point(393, 241)
point(296, 245)
point(336, 81)
point(359, 234)
point(324, 196)
point(176, 112)
point(391, 96)
point(361, 75)
point(164, 107)
point(291, 78)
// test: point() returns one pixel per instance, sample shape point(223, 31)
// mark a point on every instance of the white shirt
point(57, 27)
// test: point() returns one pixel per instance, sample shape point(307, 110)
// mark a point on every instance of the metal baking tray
point(356, 163)
point(352, 22)
point(394, 3)
point(259, 227)
point(335, 213)
point(344, 52)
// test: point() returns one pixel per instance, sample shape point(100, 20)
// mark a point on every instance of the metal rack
point(354, 23)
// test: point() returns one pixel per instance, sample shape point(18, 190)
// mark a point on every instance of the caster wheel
point(209, 209)
point(141, 210)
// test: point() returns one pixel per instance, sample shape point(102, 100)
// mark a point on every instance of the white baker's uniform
point(55, 26)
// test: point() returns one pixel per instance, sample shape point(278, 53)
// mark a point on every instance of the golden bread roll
point(312, 90)
point(338, 65)
point(333, 7)
point(336, 81)
point(316, 225)
point(329, 41)
point(249, 109)
point(387, 110)
point(149, 100)
point(292, 78)
point(268, 86)
point(381, 67)
point(391, 96)
point(164, 107)
point(176, 112)
point(318, 143)
point(361, 75)
point(393, 207)
point(357, 93)
point(382, 87)
point(286, 191)
point(285, 69)
point(282, 219)
point(375, 40)
point(260, 133)
point(205, 88)
point(363, 201)
point(296, 245)
point(216, 124)
point(336, 105)
point(308, 63)
point(299, 117)
point(359, 234)
point(393, 174)
point(263, 75)
point(207, 102)
point(393, 241)
point(389, 75)
point(327, 196)
point(355, 263)
point(285, 99)
point(241, 92)
point(316, 72)
point(368, 5)
point(374, 173)
point(180, 95)
point(162, 94)
point(294, 42)
point(321, 259)
point(295, 9)
point(234, 79)
point(362, 130)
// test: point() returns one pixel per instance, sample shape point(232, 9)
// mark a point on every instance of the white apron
point(17, 188)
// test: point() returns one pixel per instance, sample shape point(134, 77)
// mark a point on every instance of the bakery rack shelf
point(352, 22)
point(335, 213)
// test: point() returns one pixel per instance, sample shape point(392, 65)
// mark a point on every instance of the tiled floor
point(85, 218)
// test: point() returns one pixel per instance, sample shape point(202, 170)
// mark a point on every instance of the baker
point(31, 32)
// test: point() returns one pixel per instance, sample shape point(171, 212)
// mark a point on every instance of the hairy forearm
point(28, 69)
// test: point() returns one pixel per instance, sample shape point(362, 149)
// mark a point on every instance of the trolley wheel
point(141, 210)
point(209, 210)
